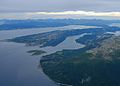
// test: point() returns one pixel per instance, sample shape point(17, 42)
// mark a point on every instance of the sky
point(59, 8)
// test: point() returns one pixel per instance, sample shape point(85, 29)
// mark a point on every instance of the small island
point(36, 52)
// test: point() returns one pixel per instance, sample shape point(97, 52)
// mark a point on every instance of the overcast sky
point(25, 6)
point(58, 5)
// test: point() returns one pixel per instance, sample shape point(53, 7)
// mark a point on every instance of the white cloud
point(84, 13)
point(65, 14)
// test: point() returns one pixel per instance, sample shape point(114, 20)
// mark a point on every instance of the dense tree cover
point(53, 38)
point(82, 69)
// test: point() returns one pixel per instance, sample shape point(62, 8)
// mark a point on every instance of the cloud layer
point(27, 9)
point(84, 13)
point(65, 14)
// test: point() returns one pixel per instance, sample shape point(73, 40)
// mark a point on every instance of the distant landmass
point(42, 23)
point(53, 38)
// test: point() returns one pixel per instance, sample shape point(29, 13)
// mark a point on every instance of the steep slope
point(96, 67)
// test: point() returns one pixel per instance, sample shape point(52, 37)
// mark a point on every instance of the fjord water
point(18, 68)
